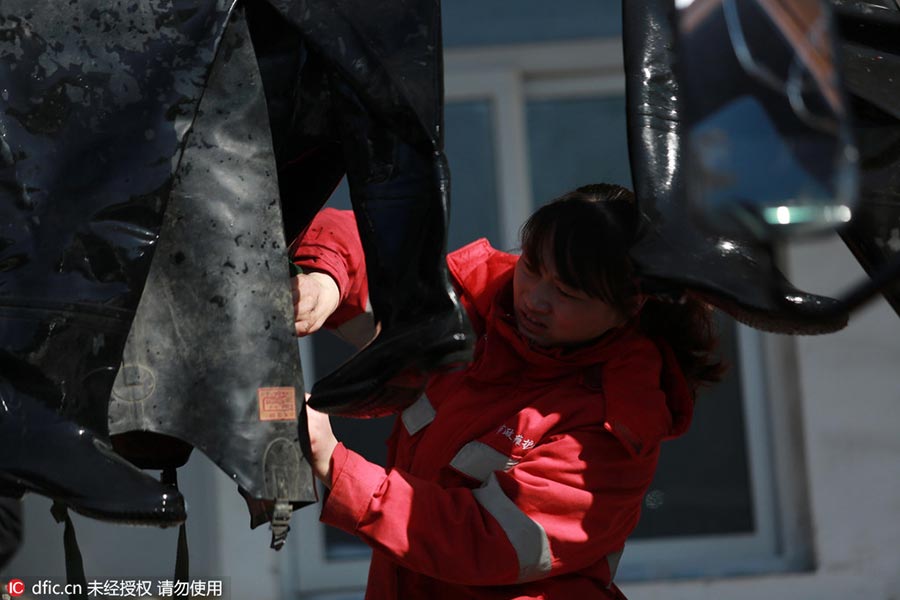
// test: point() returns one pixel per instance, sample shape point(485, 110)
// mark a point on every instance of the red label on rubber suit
point(277, 404)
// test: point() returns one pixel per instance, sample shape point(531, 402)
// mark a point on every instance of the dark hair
point(600, 223)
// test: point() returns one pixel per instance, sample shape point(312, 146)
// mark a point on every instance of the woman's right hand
point(316, 296)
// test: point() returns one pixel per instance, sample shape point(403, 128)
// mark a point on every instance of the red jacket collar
point(485, 278)
point(641, 409)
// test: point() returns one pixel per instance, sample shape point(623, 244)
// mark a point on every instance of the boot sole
point(110, 512)
point(391, 393)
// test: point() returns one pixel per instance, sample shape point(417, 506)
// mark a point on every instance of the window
point(475, 22)
point(524, 124)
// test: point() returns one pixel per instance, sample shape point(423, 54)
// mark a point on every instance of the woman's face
point(550, 313)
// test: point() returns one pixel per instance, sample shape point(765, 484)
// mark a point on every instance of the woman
point(522, 475)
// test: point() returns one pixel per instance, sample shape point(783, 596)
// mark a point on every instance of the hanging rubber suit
point(97, 162)
point(211, 358)
point(94, 113)
point(97, 102)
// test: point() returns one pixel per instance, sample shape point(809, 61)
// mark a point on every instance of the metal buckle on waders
point(280, 524)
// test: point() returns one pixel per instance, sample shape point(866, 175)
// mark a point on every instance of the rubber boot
point(10, 528)
point(308, 152)
point(400, 194)
point(768, 146)
point(870, 55)
point(374, 85)
point(96, 105)
point(389, 52)
point(55, 375)
point(675, 254)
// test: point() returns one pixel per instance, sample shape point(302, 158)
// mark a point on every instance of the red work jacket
point(518, 477)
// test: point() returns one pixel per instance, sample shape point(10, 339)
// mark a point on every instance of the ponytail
point(690, 330)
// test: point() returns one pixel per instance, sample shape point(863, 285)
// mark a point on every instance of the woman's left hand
point(322, 443)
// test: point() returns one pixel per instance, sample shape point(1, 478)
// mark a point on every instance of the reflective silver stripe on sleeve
point(526, 535)
point(613, 561)
point(417, 415)
point(479, 460)
point(360, 329)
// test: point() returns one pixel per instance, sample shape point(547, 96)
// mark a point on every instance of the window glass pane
point(702, 484)
point(489, 22)
point(473, 188)
point(574, 142)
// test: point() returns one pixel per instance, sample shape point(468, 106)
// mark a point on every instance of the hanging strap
point(281, 517)
point(182, 556)
point(182, 560)
point(74, 563)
